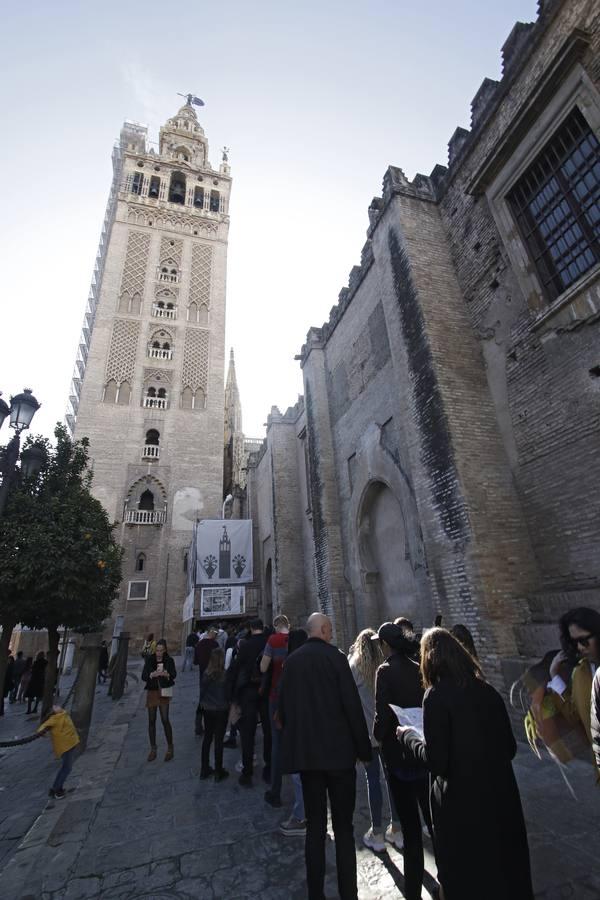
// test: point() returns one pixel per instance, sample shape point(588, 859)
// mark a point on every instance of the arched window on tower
point(136, 305)
point(137, 183)
point(192, 312)
point(110, 391)
point(124, 302)
point(215, 200)
point(199, 197)
point(146, 500)
point(124, 393)
point(140, 562)
point(154, 189)
point(151, 444)
point(177, 188)
point(187, 398)
point(193, 399)
point(203, 314)
point(155, 397)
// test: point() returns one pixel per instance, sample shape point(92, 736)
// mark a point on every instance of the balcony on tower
point(160, 345)
point(156, 398)
point(145, 516)
point(162, 310)
point(145, 503)
point(160, 352)
point(151, 449)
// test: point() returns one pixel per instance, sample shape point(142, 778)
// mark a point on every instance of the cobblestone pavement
point(132, 830)
point(26, 772)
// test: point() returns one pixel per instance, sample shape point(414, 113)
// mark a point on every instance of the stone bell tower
point(148, 386)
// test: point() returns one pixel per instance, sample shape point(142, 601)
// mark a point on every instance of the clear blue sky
point(314, 99)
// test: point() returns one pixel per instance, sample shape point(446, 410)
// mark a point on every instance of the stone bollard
point(119, 671)
point(83, 698)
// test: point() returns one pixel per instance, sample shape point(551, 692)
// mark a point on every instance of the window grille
point(138, 590)
point(556, 204)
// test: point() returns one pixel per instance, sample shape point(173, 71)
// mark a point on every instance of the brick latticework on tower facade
point(148, 388)
point(444, 459)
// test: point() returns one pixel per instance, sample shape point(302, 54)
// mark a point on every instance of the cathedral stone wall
point(539, 360)
point(451, 400)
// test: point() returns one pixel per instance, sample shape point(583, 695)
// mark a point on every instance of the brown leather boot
point(169, 754)
point(152, 754)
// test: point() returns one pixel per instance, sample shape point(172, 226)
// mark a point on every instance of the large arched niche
point(385, 555)
point(387, 559)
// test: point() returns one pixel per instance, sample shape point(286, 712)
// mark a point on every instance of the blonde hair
point(366, 656)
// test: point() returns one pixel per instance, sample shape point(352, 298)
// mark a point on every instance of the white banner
point(224, 551)
point(223, 601)
point(188, 607)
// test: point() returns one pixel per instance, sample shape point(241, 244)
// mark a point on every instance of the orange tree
point(59, 562)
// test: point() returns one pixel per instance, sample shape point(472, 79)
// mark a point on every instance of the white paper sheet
point(412, 716)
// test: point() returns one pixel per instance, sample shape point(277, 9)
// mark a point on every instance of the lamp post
point(227, 500)
point(22, 409)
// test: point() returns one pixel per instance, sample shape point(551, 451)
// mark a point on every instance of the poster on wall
point(224, 551)
point(188, 607)
point(222, 601)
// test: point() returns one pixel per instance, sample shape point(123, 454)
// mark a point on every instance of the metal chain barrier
point(18, 742)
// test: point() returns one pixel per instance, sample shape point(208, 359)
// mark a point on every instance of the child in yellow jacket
point(64, 741)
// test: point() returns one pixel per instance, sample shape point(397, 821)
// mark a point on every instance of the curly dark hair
point(587, 619)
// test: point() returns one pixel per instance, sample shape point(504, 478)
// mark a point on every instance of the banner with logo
point(224, 551)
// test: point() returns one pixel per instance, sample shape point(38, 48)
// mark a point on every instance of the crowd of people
point(24, 680)
point(431, 734)
point(446, 773)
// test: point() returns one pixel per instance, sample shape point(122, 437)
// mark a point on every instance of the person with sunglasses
point(580, 640)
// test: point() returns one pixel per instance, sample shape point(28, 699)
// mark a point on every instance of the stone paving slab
point(134, 830)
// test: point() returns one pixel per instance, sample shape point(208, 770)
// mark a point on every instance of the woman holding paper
point(468, 745)
point(398, 683)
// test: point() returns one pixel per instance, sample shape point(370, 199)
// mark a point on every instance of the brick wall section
point(287, 514)
point(333, 591)
point(547, 403)
point(477, 546)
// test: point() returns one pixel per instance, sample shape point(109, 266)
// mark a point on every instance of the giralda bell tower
point(148, 386)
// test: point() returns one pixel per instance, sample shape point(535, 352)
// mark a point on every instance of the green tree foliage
point(59, 562)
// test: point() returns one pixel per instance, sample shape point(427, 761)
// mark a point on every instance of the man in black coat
point(324, 733)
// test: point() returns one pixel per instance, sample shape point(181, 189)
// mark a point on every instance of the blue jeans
point(298, 808)
point(188, 658)
point(65, 768)
point(276, 775)
point(374, 773)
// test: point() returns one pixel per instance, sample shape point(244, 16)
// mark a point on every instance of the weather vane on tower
point(191, 99)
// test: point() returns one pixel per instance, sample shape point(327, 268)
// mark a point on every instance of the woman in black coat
point(398, 682)
point(159, 674)
point(35, 688)
point(480, 837)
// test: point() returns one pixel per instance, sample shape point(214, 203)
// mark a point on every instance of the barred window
point(557, 205)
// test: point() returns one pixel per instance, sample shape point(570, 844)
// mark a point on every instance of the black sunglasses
point(583, 640)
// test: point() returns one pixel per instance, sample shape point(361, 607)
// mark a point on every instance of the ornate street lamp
point(23, 407)
point(22, 410)
point(32, 460)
